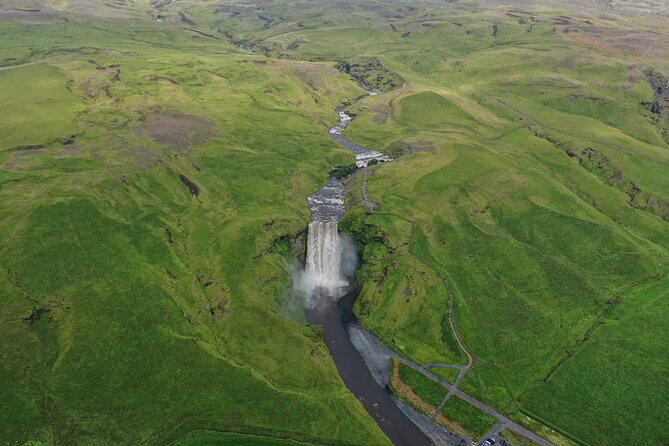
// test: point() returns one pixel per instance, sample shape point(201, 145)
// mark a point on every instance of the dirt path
point(11, 67)
point(463, 369)
point(365, 198)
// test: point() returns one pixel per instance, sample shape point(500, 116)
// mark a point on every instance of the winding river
point(362, 361)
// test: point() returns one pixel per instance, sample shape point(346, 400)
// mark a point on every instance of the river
point(329, 282)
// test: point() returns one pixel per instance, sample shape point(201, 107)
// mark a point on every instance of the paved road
point(479, 405)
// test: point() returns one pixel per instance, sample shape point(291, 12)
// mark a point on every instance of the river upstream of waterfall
point(328, 282)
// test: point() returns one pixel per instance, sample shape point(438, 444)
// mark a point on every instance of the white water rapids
point(331, 257)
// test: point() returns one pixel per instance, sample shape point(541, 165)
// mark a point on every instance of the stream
point(328, 281)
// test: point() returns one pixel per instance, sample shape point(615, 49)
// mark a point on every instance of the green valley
point(155, 163)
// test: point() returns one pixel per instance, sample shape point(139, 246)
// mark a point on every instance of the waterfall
point(324, 254)
point(324, 275)
point(330, 257)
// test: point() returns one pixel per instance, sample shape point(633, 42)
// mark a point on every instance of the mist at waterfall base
point(330, 265)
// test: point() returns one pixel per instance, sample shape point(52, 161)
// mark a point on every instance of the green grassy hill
point(150, 172)
point(144, 186)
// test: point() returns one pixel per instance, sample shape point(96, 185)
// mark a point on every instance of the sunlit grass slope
point(143, 188)
point(542, 250)
point(532, 198)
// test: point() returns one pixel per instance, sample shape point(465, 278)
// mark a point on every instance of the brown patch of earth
point(177, 130)
point(21, 155)
point(618, 42)
point(70, 151)
point(454, 427)
point(382, 113)
point(27, 9)
point(406, 392)
point(310, 74)
point(117, 150)
point(421, 146)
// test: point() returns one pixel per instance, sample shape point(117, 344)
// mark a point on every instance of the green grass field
point(204, 438)
point(470, 418)
point(135, 311)
point(148, 167)
point(429, 391)
point(448, 375)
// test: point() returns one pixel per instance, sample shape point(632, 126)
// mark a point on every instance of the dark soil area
point(192, 187)
point(178, 130)
point(184, 19)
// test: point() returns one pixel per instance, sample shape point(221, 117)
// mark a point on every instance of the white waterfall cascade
point(331, 258)
point(324, 255)
point(328, 253)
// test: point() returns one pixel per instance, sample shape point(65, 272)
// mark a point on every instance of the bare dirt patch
point(422, 146)
point(311, 74)
point(619, 42)
point(406, 392)
point(70, 151)
point(177, 130)
point(382, 112)
point(26, 10)
point(21, 155)
point(117, 150)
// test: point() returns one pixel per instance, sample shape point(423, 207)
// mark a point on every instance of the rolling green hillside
point(151, 173)
point(143, 188)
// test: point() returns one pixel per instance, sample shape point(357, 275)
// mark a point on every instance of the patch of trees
point(344, 171)
point(659, 105)
point(370, 73)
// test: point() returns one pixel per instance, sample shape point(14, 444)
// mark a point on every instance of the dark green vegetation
point(659, 105)
point(148, 169)
point(370, 73)
point(344, 171)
